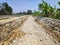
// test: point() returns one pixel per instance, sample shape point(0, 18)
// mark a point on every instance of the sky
point(24, 5)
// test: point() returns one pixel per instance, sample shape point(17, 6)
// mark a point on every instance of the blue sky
point(24, 5)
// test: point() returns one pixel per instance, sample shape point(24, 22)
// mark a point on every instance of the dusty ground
point(35, 35)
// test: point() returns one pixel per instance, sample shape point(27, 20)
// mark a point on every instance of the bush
point(36, 13)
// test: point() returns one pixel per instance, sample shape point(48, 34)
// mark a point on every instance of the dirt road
point(35, 35)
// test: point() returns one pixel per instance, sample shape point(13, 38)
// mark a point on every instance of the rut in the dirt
point(35, 34)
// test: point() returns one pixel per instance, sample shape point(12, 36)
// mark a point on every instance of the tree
point(45, 8)
point(6, 10)
point(59, 3)
point(57, 13)
point(20, 13)
point(24, 12)
point(49, 11)
point(36, 13)
point(29, 12)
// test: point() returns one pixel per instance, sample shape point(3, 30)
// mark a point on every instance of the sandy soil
point(35, 35)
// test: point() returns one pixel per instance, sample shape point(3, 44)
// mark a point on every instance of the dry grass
point(14, 34)
point(4, 18)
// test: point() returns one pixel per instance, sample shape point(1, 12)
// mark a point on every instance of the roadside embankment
point(9, 28)
point(52, 26)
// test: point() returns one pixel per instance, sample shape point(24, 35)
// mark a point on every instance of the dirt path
point(35, 35)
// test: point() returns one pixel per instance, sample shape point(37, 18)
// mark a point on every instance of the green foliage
point(5, 9)
point(20, 13)
point(24, 13)
point(59, 3)
point(45, 8)
point(49, 11)
point(57, 14)
point(36, 13)
point(29, 11)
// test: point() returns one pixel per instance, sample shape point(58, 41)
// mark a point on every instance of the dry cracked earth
point(35, 34)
